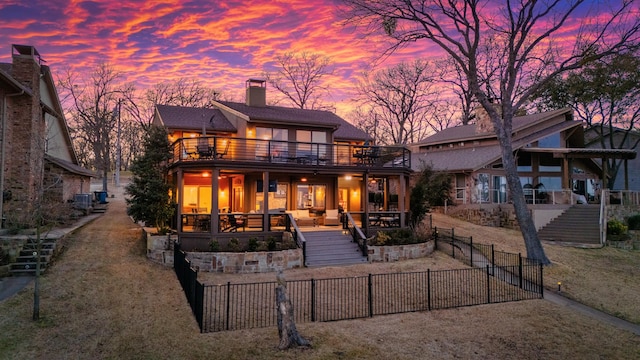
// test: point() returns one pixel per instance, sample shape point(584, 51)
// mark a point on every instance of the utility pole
point(118, 148)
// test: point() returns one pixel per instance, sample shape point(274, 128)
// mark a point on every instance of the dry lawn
point(607, 279)
point(103, 299)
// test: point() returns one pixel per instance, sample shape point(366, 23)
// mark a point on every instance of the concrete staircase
point(25, 263)
point(578, 224)
point(332, 248)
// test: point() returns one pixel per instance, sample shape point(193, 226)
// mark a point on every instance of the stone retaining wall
point(399, 252)
point(160, 250)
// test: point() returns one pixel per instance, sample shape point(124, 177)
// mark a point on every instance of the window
point(482, 188)
point(311, 197)
point(551, 182)
point(524, 162)
point(460, 186)
point(551, 141)
point(499, 189)
point(271, 142)
point(549, 164)
point(308, 143)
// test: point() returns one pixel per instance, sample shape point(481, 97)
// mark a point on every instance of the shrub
point(615, 227)
point(253, 244)
point(634, 222)
point(271, 243)
point(234, 245)
point(214, 246)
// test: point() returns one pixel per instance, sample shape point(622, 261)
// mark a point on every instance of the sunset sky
point(222, 43)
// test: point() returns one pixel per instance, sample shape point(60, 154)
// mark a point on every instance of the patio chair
point(234, 223)
point(332, 217)
point(221, 154)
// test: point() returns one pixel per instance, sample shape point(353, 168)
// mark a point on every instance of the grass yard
point(103, 300)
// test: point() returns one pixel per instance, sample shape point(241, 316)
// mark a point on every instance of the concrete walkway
point(11, 285)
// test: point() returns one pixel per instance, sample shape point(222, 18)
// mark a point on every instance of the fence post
point(471, 247)
point(493, 259)
point(435, 236)
point(541, 283)
point(429, 289)
point(313, 300)
point(453, 241)
point(370, 295)
point(520, 268)
point(304, 254)
point(488, 286)
point(228, 302)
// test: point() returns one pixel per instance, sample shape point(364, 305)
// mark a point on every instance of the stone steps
point(331, 248)
point(578, 224)
point(25, 263)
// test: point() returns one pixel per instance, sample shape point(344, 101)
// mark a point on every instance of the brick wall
point(25, 143)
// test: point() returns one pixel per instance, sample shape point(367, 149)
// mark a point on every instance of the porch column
point(180, 200)
point(215, 218)
point(364, 190)
point(265, 203)
point(626, 174)
point(402, 199)
point(605, 173)
point(566, 169)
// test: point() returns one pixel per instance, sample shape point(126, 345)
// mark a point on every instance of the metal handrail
point(232, 149)
point(356, 234)
point(298, 236)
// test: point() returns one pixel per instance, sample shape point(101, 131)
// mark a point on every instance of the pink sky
point(222, 43)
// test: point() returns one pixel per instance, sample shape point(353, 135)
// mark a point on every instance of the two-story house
point(245, 167)
point(37, 160)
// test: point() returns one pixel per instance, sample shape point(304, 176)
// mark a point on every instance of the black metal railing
point(242, 306)
point(235, 149)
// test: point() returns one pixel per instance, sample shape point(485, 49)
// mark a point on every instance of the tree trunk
point(527, 227)
point(287, 331)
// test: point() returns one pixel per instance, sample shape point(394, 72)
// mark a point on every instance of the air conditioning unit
point(82, 201)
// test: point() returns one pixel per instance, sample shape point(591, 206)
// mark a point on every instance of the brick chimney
point(484, 125)
point(25, 147)
point(256, 93)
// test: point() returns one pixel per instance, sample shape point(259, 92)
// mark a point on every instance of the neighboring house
point(553, 163)
point(239, 166)
point(35, 146)
point(628, 175)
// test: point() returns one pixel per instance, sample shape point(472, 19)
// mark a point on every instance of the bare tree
point(606, 96)
point(182, 92)
point(91, 110)
point(401, 98)
point(527, 37)
point(300, 78)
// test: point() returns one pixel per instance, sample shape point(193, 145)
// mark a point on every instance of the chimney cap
point(256, 82)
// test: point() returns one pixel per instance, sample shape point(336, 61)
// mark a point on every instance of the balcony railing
point(232, 149)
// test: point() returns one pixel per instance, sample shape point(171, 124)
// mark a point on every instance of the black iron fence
point(242, 306)
point(510, 267)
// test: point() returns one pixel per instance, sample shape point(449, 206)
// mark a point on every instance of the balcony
point(242, 150)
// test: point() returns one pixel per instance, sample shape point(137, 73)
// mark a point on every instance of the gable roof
point(192, 118)
point(69, 166)
point(295, 116)
point(472, 158)
point(469, 132)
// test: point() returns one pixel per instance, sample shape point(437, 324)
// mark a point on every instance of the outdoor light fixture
point(559, 286)
point(348, 177)
point(303, 179)
point(205, 174)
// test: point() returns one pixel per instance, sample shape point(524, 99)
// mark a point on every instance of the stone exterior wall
point(159, 250)
point(400, 252)
point(621, 213)
point(494, 215)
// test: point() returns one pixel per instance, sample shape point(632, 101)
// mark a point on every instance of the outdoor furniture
point(221, 154)
point(332, 217)
point(303, 218)
point(234, 223)
point(254, 220)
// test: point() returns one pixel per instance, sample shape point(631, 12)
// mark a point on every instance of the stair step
point(579, 224)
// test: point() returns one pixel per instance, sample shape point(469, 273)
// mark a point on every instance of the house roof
point(472, 158)
point(469, 132)
point(69, 166)
point(192, 118)
point(295, 116)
